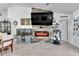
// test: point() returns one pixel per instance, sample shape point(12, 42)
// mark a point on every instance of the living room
point(38, 28)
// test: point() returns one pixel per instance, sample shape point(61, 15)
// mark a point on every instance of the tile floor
point(43, 49)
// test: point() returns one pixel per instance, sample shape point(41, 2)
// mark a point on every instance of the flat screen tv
point(42, 18)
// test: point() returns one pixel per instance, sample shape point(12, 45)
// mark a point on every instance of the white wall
point(16, 13)
point(74, 38)
point(4, 14)
point(57, 16)
point(59, 19)
point(70, 31)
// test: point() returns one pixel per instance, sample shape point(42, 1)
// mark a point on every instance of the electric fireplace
point(41, 33)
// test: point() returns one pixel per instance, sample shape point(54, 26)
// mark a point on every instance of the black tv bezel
point(41, 15)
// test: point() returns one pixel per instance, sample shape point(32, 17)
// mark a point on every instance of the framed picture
point(25, 21)
point(76, 26)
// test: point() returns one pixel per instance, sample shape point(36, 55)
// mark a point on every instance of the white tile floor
point(43, 49)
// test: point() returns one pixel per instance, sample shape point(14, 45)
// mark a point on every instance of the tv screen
point(44, 18)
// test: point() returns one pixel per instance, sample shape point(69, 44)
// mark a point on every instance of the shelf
point(5, 26)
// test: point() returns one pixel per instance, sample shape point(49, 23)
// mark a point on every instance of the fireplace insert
point(41, 33)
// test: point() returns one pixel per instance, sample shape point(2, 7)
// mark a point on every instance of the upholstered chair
point(5, 43)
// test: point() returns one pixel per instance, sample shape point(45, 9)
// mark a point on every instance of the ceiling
point(57, 7)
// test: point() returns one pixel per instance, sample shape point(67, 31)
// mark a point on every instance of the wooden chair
point(5, 44)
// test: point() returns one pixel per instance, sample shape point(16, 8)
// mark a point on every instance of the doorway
point(64, 29)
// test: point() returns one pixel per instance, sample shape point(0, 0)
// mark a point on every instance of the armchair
point(5, 43)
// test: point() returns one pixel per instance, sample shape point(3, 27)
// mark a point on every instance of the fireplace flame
point(41, 34)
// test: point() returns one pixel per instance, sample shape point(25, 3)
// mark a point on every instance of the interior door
point(64, 29)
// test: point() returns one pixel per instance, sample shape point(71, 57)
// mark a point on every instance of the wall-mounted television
point(42, 18)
